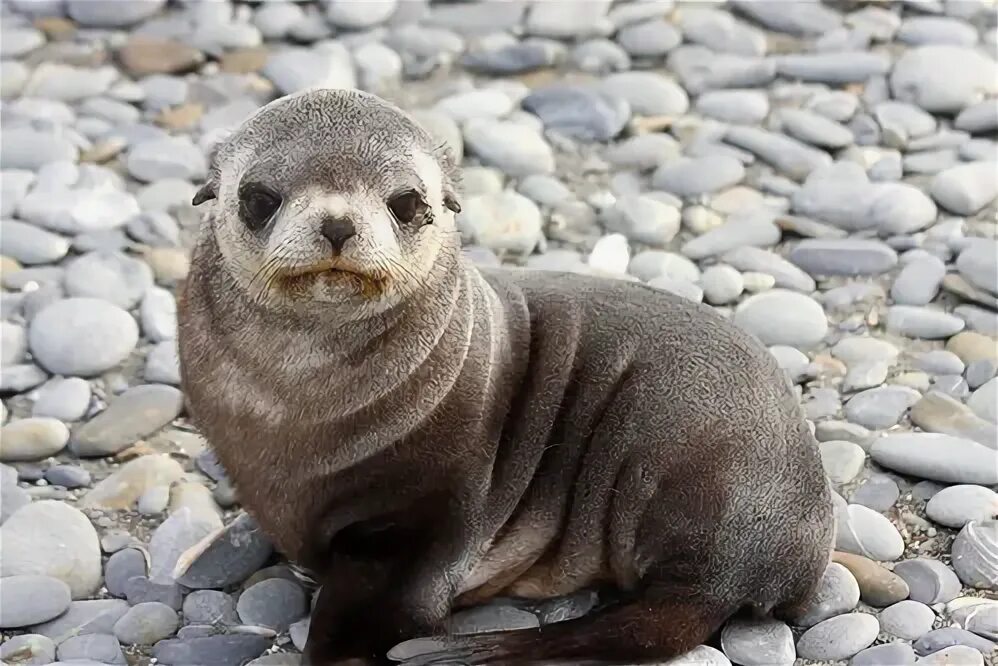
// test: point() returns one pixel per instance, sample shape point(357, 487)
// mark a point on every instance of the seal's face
point(332, 197)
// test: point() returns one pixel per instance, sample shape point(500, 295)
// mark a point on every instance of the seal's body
point(423, 434)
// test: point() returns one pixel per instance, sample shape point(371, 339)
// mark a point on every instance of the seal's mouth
point(334, 271)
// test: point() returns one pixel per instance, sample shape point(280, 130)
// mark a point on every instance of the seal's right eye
point(257, 204)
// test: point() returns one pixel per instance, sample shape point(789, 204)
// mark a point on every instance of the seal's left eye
point(408, 207)
point(256, 206)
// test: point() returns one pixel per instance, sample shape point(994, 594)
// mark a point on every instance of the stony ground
point(825, 175)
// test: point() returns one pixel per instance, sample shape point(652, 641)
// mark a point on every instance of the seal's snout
point(337, 230)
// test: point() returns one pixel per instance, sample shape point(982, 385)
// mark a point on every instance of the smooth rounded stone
point(30, 149)
point(721, 284)
point(122, 566)
point(136, 413)
point(648, 93)
point(943, 78)
point(958, 505)
point(491, 618)
point(327, 65)
point(678, 287)
point(21, 377)
point(980, 372)
point(937, 457)
point(956, 655)
point(863, 531)
point(839, 637)
point(18, 41)
point(847, 256)
point(513, 148)
point(229, 558)
point(579, 112)
point(146, 624)
point(163, 364)
point(277, 659)
point(111, 276)
point(766, 642)
point(966, 188)
point(919, 281)
point(642, 219)
point(901, 121)
point(97, 649)
point(67, 83)
point(172, 157)
point(701, 175)
point(700, 69)
point(379, 68)
point(821, 403)
point(814, 129)
point(643, 151)
point(154, 501)
point(180, 531)
point(610, 254)
point(54, 539)
point(503, 221)
point(490, 103)
point(81, 336)
point(879, 493)
point(978, 263)
point(743, 107)
point(929, 161)
point(650, 264)
point(789, 156)
point(929, 581)
point(718, 30)
point(351, 15)
point(886, 654)
point(30, 245)
point(34, 438)
point(564, 20)
point(945, 637)
point(984, 401)
point(837, 593)
point(971, 346)
point(64, 399)
point(68, 476)
point(750, 229)
point(112, 13)
point(842, 461)
point(649, 39)
point(881, 407)
point(922, 322)
point(877, 586)
point(920, 30)
point(865, 375)
point(83, 618)
point(793, 361)
point(981, 617)
point(123, 488)
point(975, 554)
point(219, 650)
point(599, 56)
point(28, 650)
point(907, 619)
point(31, 599)
point(210, 607)
point(981, 118)
point(543, 189)
point(196, 497)
point(156, 228)
point(274, 603)
point(782, 317)
point(802, 19)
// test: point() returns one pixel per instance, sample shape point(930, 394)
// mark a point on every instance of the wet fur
point(504, 431)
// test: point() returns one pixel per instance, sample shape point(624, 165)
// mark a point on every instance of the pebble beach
point(824, 174)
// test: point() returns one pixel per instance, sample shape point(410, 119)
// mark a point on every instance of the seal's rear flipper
point(651, 631)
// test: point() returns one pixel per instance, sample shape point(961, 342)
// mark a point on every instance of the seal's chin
point(335, 273)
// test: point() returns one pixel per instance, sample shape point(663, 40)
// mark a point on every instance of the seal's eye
point(409, 208)
point(257, 205)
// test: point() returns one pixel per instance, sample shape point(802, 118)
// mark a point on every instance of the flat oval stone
point(877, 586)
point(221, 650)
point(230, 558)
point(881, 407)
point(945, 637)
point(582, 113)
point(136, 413)
point(842, 461)
point(978, 263)
point(30, 245)
point(111, 276)
point(975, 554)
point(958, 505)
point(887, 654)
point(702, 175)
point(91, 648)
point(648, 93)
point(919, 281)
point(965, 188)
point(146, 623)
point(782, 317)
point(865, 532)
point(64, 399)
point(31, 599)
point(837, 593)
point(879, 493)
point(32, 439)
point(839, 637)
point(907, 619)
point(922, 322)
point(936, 457)
point(84, 617)
point(956, 654)
point(28, 650)
point(847, 256)
point(491, 618)
point(943, 78)
point(81, 336)
point(929, 581)
point(210, 607)
point(758, 642)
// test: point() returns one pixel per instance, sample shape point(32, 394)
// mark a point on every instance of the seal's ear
point(451, 202)
point(206, 193)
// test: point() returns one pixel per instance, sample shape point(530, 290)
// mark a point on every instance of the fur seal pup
point(423, 434)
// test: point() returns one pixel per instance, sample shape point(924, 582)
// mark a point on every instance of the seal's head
point(332, 197)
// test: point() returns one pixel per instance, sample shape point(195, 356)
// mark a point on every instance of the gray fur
point(518, 432)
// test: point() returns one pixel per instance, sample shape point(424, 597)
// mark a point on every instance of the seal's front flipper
point(630, 633)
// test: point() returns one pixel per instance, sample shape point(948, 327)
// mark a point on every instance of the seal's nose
point(338, 230)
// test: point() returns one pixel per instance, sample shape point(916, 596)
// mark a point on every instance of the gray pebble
point(943, 78)
point(231, 558)
point(882, 407)
point(122, 566)
point(642, 152)
point(174, 157)
point(980, 372)
point(568, 21)
point(929, 581)
point(956, 654)
point(879, 493)
point(967, 188)
point(907, 619)
point(978, 263)
point(515, 149)
point(743, 107)
point(842, 461)
point(224, 650)
point(156, 228)
point(981, 118)
point(64, 399)
point(22, 377)
point(565, 608)
point(721, 284)
point(789, 156)
point(804, 19)
point(210, 607)
point(835, 68)
point(957, 505)
point(141, 590)
point(31, 599)
point(154, 500)
point(146, 624)
point(30, 439)
point(843, 257)
point(100, 648)
point(945, 637)
point(701, 70)
point(749, 229)
point(600, 56)
point(936, 457)
point(837, 593)
point(136, 413)
point(919, 30)
point(643, 219)
point(718, 30)
point(922, 322)
point(68, 476)
point(679, 287)
point(158, 314)
point(579, 112)
point(648, 93)
point(649, 39)
point(163, 364)
point(814, 129)
point(295, 69)
point(865, 532)
point(274, 603)
point(26, 148)
point(83, 618)
point(919, 281)
point(839, 637)
point(30, 245)
point(110, 13)
point(758, 642)
point(980, 618)
point(975, 552)
point(28, 650)
point(983, 401)
point(703, 175)
point(111, 276)
point(505, 59)
point(299, 633)
point(887, 654)
point(82, 336)
point(781, 317)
